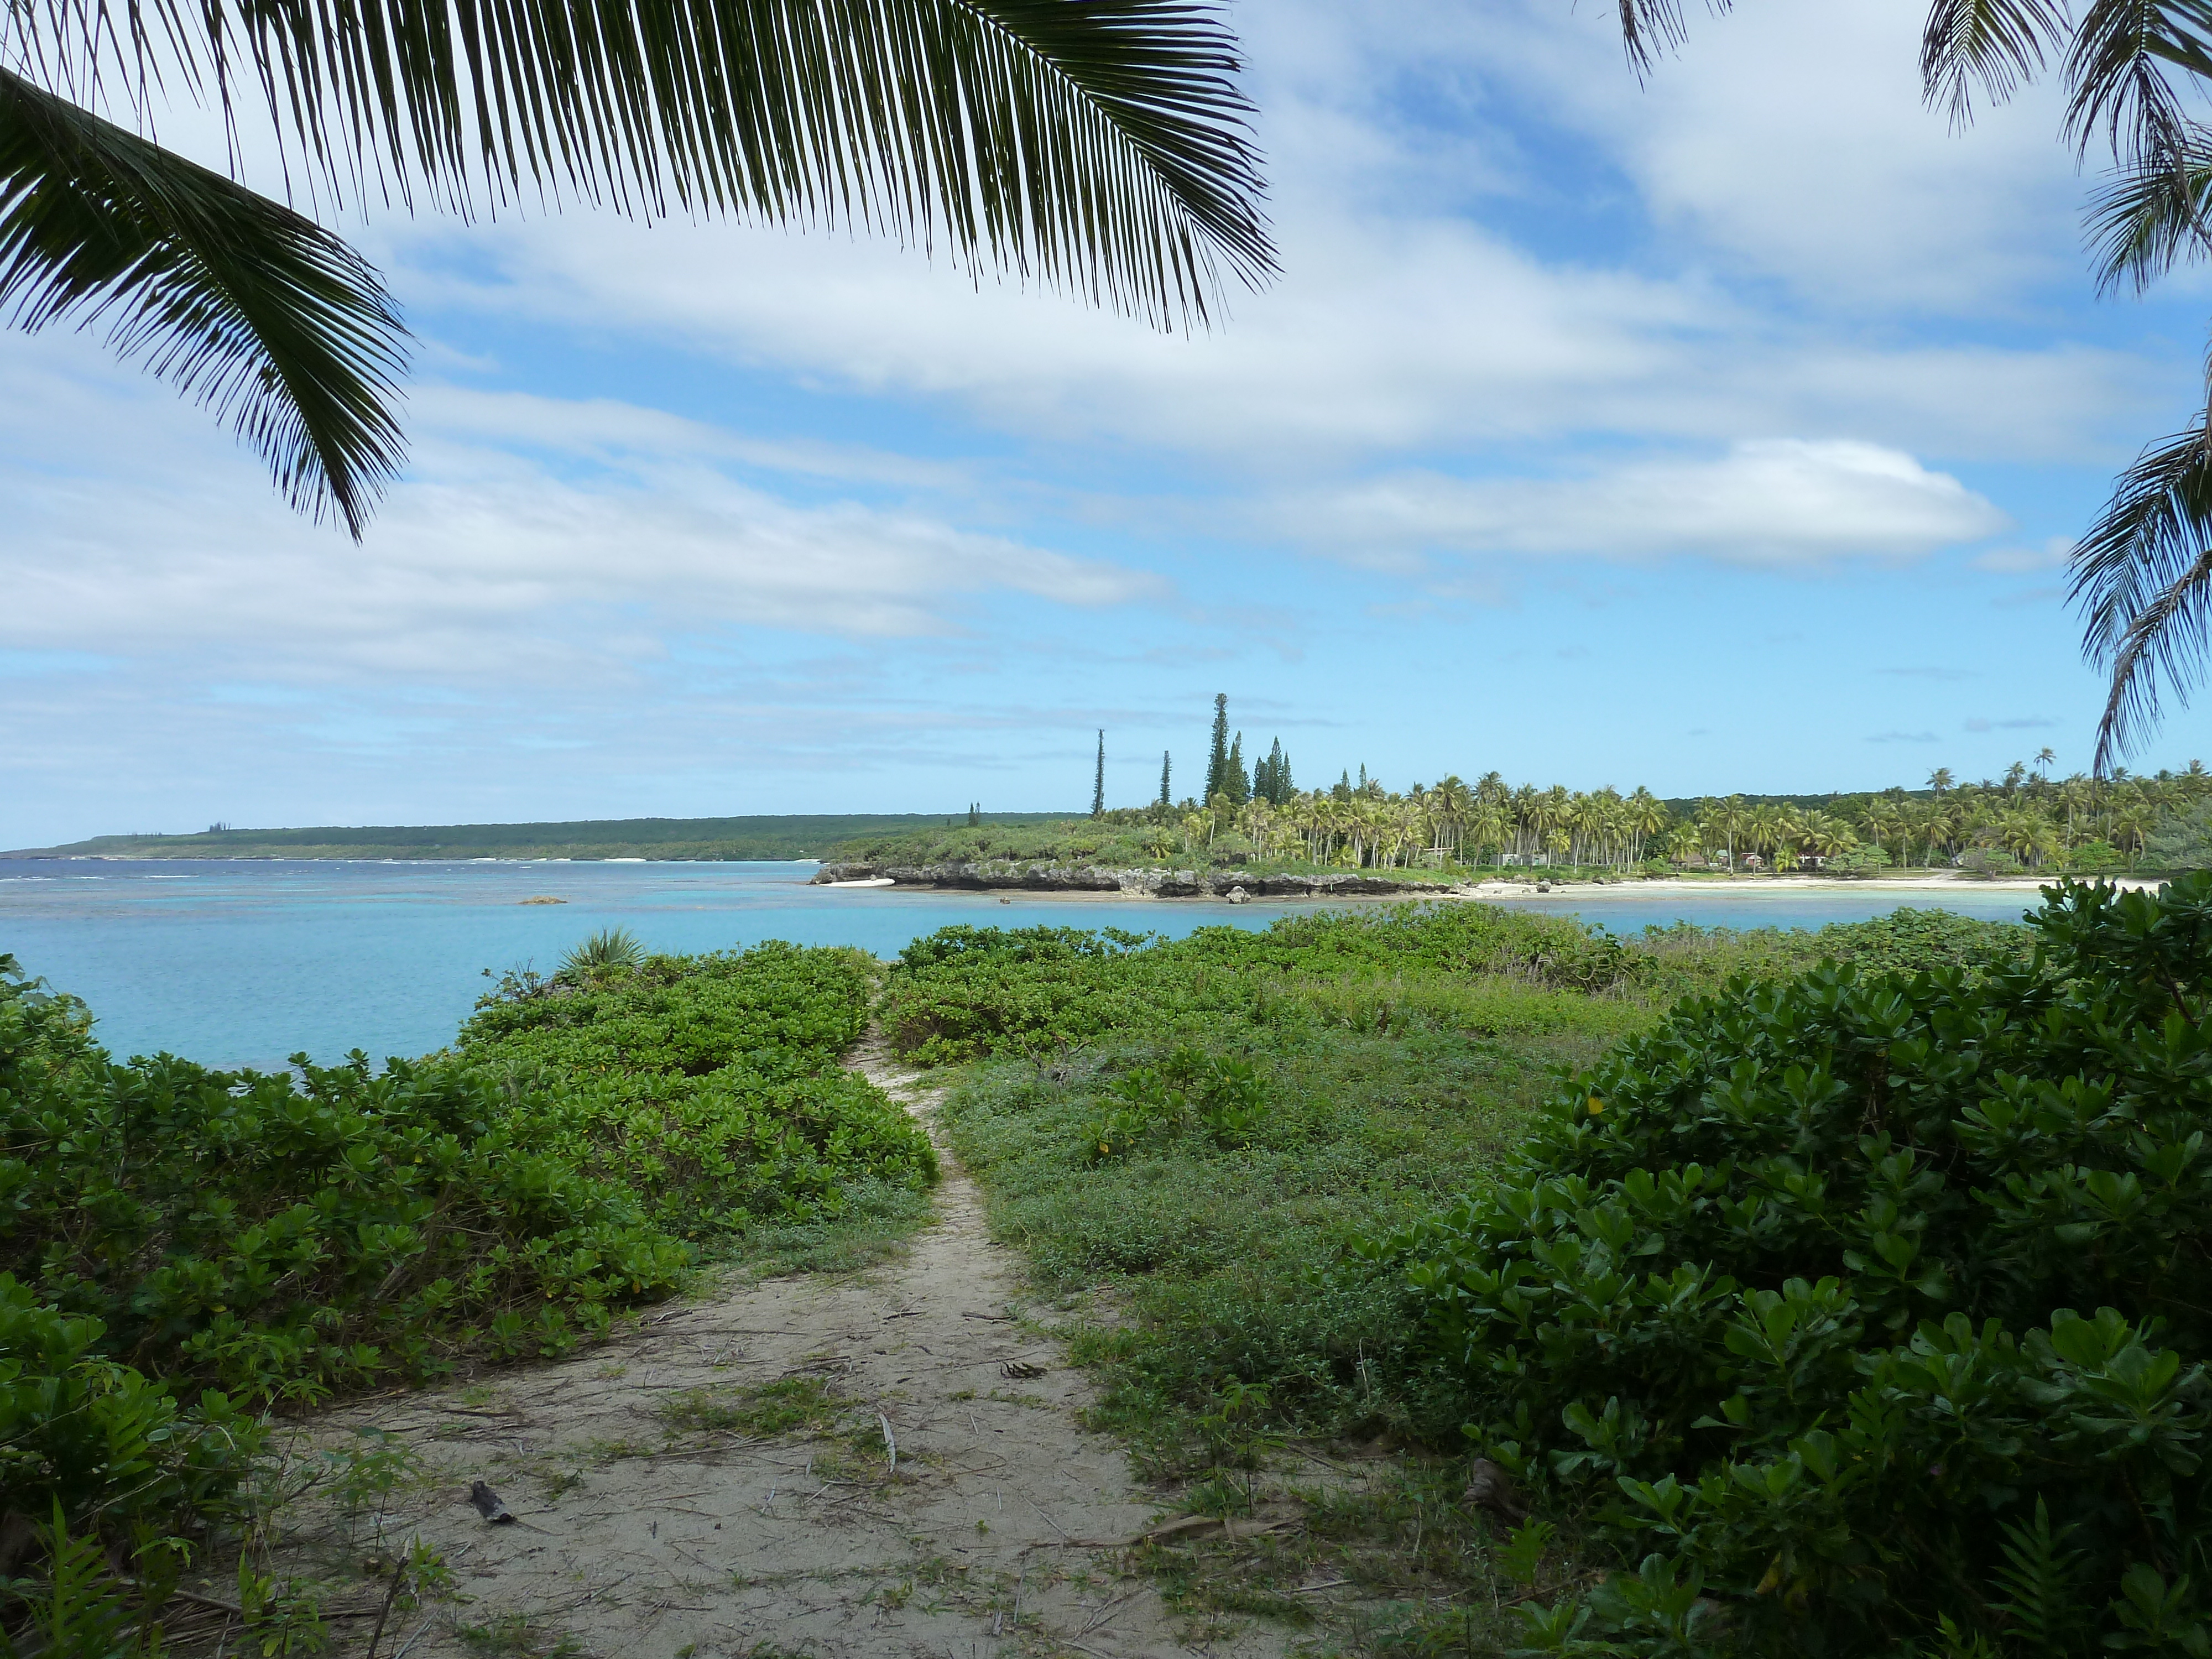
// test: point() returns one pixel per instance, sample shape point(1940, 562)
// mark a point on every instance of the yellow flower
point(1596, 1105)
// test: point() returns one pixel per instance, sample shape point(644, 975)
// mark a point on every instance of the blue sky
point(1726, 433)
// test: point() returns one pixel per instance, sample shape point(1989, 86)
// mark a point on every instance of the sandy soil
point(1003, 1530)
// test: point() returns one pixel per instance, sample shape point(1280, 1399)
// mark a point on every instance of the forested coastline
point(2025, 821)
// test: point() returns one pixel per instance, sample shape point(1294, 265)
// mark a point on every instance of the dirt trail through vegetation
point(720, 1481)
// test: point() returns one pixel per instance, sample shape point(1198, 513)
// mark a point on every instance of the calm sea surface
point(244, 962)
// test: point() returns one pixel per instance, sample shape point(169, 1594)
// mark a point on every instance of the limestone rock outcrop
point(1001, 875)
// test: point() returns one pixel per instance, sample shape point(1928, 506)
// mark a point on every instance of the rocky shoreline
point(1001, 875)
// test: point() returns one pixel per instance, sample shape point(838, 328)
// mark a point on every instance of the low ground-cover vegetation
point(967, 992)
point(709, 1087)
point(1202, 1129)
point(184, 1252)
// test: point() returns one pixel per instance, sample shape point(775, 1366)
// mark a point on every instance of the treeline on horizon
point(761, 837)
point(2024, 820)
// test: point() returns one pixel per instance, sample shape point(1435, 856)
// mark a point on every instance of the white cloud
point(493, 558)
point(1776, 502)
point(1385, 333)
point(1449, 284)
point(1790, 140)
point(2051, 555)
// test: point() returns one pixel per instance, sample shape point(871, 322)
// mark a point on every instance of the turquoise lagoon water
point(246, 961)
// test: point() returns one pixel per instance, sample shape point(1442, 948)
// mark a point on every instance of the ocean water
point(246, 961)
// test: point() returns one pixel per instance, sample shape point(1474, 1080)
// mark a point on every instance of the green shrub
point(97, 1441)
point(1684, 957)
point(722, 1153)
point(781, 1008)
point(2181, 841)
point(282, 1237)
point(710, 1087)
point(1186, 1092)
point(968, 992)
point(1860, 1313)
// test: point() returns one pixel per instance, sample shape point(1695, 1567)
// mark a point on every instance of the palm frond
point(250, 308)
point(1100, 145)
point(1995, 44)
point(2144, 217)
point(1649, 27)
point(2117, 76)
point(2143, 578)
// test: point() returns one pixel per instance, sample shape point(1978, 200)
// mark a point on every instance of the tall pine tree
point(1235, 782)
point(1098, 780)
point(1166, 766)
point(1217, 758)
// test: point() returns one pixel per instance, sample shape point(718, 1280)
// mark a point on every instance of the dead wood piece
point(391, 1594)
point(1192, 1525)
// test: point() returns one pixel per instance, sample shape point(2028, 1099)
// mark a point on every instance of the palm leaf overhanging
point(2133, 70)
point(2143, 577)
point(1096, 146)
point(242, 304)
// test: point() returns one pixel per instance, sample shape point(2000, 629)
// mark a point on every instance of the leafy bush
point(1686, 957)
point(280, 1238)
point(1187, 1092)
point(96, 1441)
point(1859, 1313)
point(781, 1008)
point(2090, 857)
point(1859, 861)
point(967, 993)
point(709, 1087)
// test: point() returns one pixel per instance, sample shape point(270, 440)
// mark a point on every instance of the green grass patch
point(1366, 1107)
point(789, 1404)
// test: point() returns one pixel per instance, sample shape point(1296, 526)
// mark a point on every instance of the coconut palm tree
point(1099, 146)
point(1729, 818)
point(1647, 816)
point(2027, 836)
point(1884, 818)
point(1826, 834)
point(1453, 802)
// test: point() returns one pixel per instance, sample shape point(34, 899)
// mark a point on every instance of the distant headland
point(786, 835)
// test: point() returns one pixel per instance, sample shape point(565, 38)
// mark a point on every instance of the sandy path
point(642, 1539)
